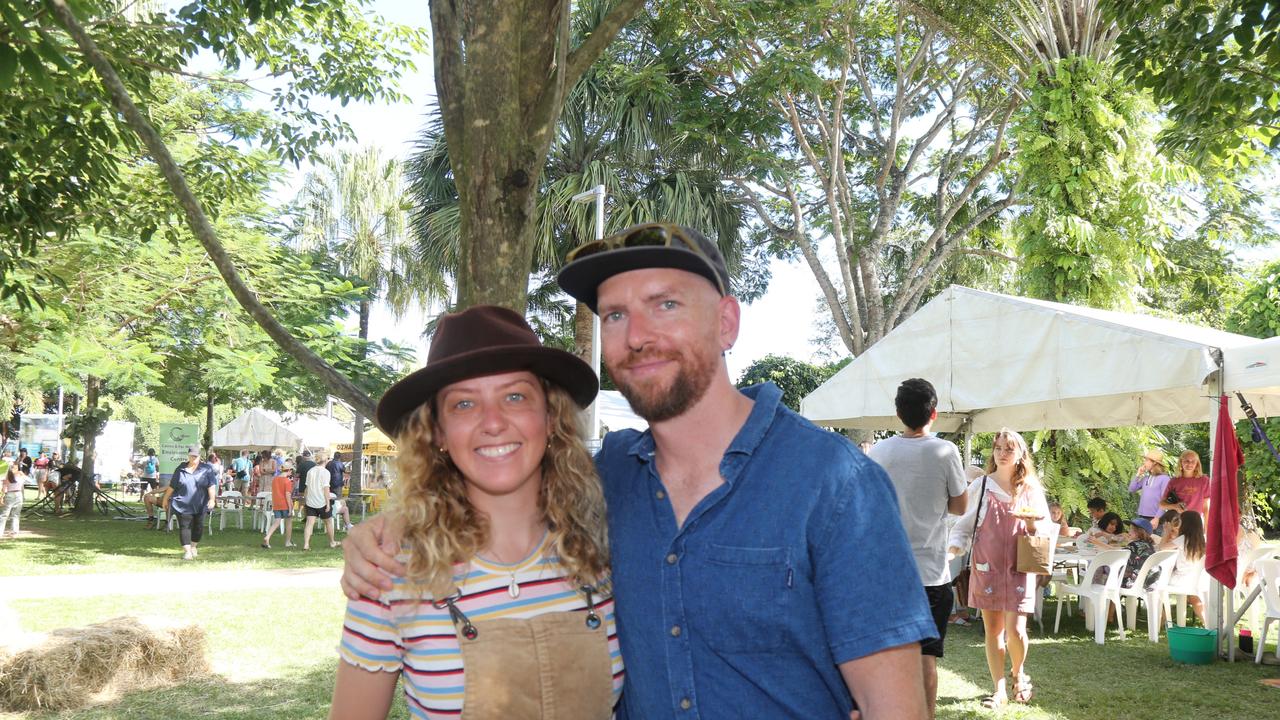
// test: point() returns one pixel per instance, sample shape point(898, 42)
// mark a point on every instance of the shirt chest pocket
point(742, 597)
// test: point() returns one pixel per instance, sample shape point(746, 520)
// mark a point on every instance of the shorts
point(151, 482)
point(941, 600)
point(280, 514)
point(323, 513)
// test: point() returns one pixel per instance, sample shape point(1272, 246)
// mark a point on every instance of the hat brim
point(582, 278)
point(417, 388)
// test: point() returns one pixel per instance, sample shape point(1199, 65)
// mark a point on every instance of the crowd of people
point(304, 486)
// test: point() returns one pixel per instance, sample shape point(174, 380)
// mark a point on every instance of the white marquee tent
point(616, 412)
point(258, 429)
point(1003, 361)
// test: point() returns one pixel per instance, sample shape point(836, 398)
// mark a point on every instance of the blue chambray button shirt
point(797, 563)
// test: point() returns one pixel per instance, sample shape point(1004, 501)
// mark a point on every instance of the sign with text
point(174, 439)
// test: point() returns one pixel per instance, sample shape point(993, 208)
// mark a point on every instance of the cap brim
point(564, 369)
point(582, 278)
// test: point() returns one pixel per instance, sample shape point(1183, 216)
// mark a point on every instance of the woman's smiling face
point(495, 429)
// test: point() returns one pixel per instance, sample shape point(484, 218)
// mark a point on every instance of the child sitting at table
point(1109, 533)
point(1186, 535)
point(1055, 514)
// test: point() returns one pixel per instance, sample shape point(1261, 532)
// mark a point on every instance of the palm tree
point(353, 206)
point(615, 131)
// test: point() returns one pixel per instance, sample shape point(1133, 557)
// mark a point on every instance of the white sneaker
point(188, 555)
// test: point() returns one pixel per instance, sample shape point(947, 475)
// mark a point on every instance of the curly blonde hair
point(442, 527)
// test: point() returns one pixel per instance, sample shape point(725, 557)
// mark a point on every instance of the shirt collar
point(766, 397)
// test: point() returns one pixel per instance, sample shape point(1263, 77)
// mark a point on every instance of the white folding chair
point(1245, 563)
point(232, 500)
point(262, 511)
point(1095, 598)
point(1269, 574)
point(1152, 594)
point(1193, 584)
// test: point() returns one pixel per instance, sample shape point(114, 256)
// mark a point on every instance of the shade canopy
point(616, 413)
point(1254, 368)
point(256, 429)
point(1004, 361)
point(374, 443)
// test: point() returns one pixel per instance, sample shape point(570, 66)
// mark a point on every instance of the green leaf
point(34, 67)
point(8, 66)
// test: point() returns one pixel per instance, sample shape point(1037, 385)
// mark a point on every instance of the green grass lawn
point(1076, 679)
point(63, 545)
point(272, 652)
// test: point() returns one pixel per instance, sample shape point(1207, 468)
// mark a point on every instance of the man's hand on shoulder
point(370, 558)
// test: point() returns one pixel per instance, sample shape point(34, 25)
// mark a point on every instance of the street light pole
point(597, 194)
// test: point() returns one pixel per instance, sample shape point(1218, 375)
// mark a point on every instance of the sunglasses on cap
point(647, 235)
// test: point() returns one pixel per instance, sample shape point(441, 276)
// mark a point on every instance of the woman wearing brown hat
point(505, 610)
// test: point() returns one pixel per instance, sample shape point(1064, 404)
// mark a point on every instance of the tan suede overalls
point(550, 667)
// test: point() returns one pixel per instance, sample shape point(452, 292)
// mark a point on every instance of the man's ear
point(730, 317)
point(933, 414)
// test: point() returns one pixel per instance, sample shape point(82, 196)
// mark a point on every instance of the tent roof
point(615, 412)
point(256, 429)
point(1006, 361)
point(319, 431)
point(1254, 368)
point(259, 429)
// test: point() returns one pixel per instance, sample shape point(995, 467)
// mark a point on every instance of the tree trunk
point(84, 500)
point(502, 70)
point(357, 442)
point(583, 327)
point(208, 422)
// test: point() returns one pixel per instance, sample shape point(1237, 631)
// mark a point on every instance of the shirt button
point(685, 704)
point(675, 631)
point(660, 494)
point(671, 559)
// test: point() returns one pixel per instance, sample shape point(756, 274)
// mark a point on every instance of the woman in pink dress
point(1006, 503)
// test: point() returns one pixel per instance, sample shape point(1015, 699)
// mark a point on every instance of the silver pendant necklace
point(514, 588)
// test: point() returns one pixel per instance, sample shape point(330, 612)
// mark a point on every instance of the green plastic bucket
point(1194, 646)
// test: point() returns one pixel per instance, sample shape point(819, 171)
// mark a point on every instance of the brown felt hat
point(479, 341)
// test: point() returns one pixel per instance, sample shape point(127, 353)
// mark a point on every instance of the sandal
point(994, 701)
point(1023, 691)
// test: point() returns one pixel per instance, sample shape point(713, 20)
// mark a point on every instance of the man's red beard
point(656, 404)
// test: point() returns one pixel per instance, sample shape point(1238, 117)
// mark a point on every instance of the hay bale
point(73, 667)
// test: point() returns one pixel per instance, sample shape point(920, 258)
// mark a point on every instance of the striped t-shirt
point(403, 632)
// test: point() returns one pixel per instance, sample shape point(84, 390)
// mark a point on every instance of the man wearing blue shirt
point(759, 568)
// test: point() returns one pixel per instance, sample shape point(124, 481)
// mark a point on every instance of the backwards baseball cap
point(639, 247)
point(193, 450)
point(306, 453)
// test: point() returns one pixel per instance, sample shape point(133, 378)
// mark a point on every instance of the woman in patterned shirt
point(505, 610)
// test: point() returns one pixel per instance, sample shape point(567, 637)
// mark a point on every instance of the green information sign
point(174, 440)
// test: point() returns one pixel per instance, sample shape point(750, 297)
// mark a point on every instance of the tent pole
point(1215, 587)
point(968, 441)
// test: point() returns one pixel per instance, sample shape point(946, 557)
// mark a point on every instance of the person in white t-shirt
point(927, 473)
point(318, 503)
